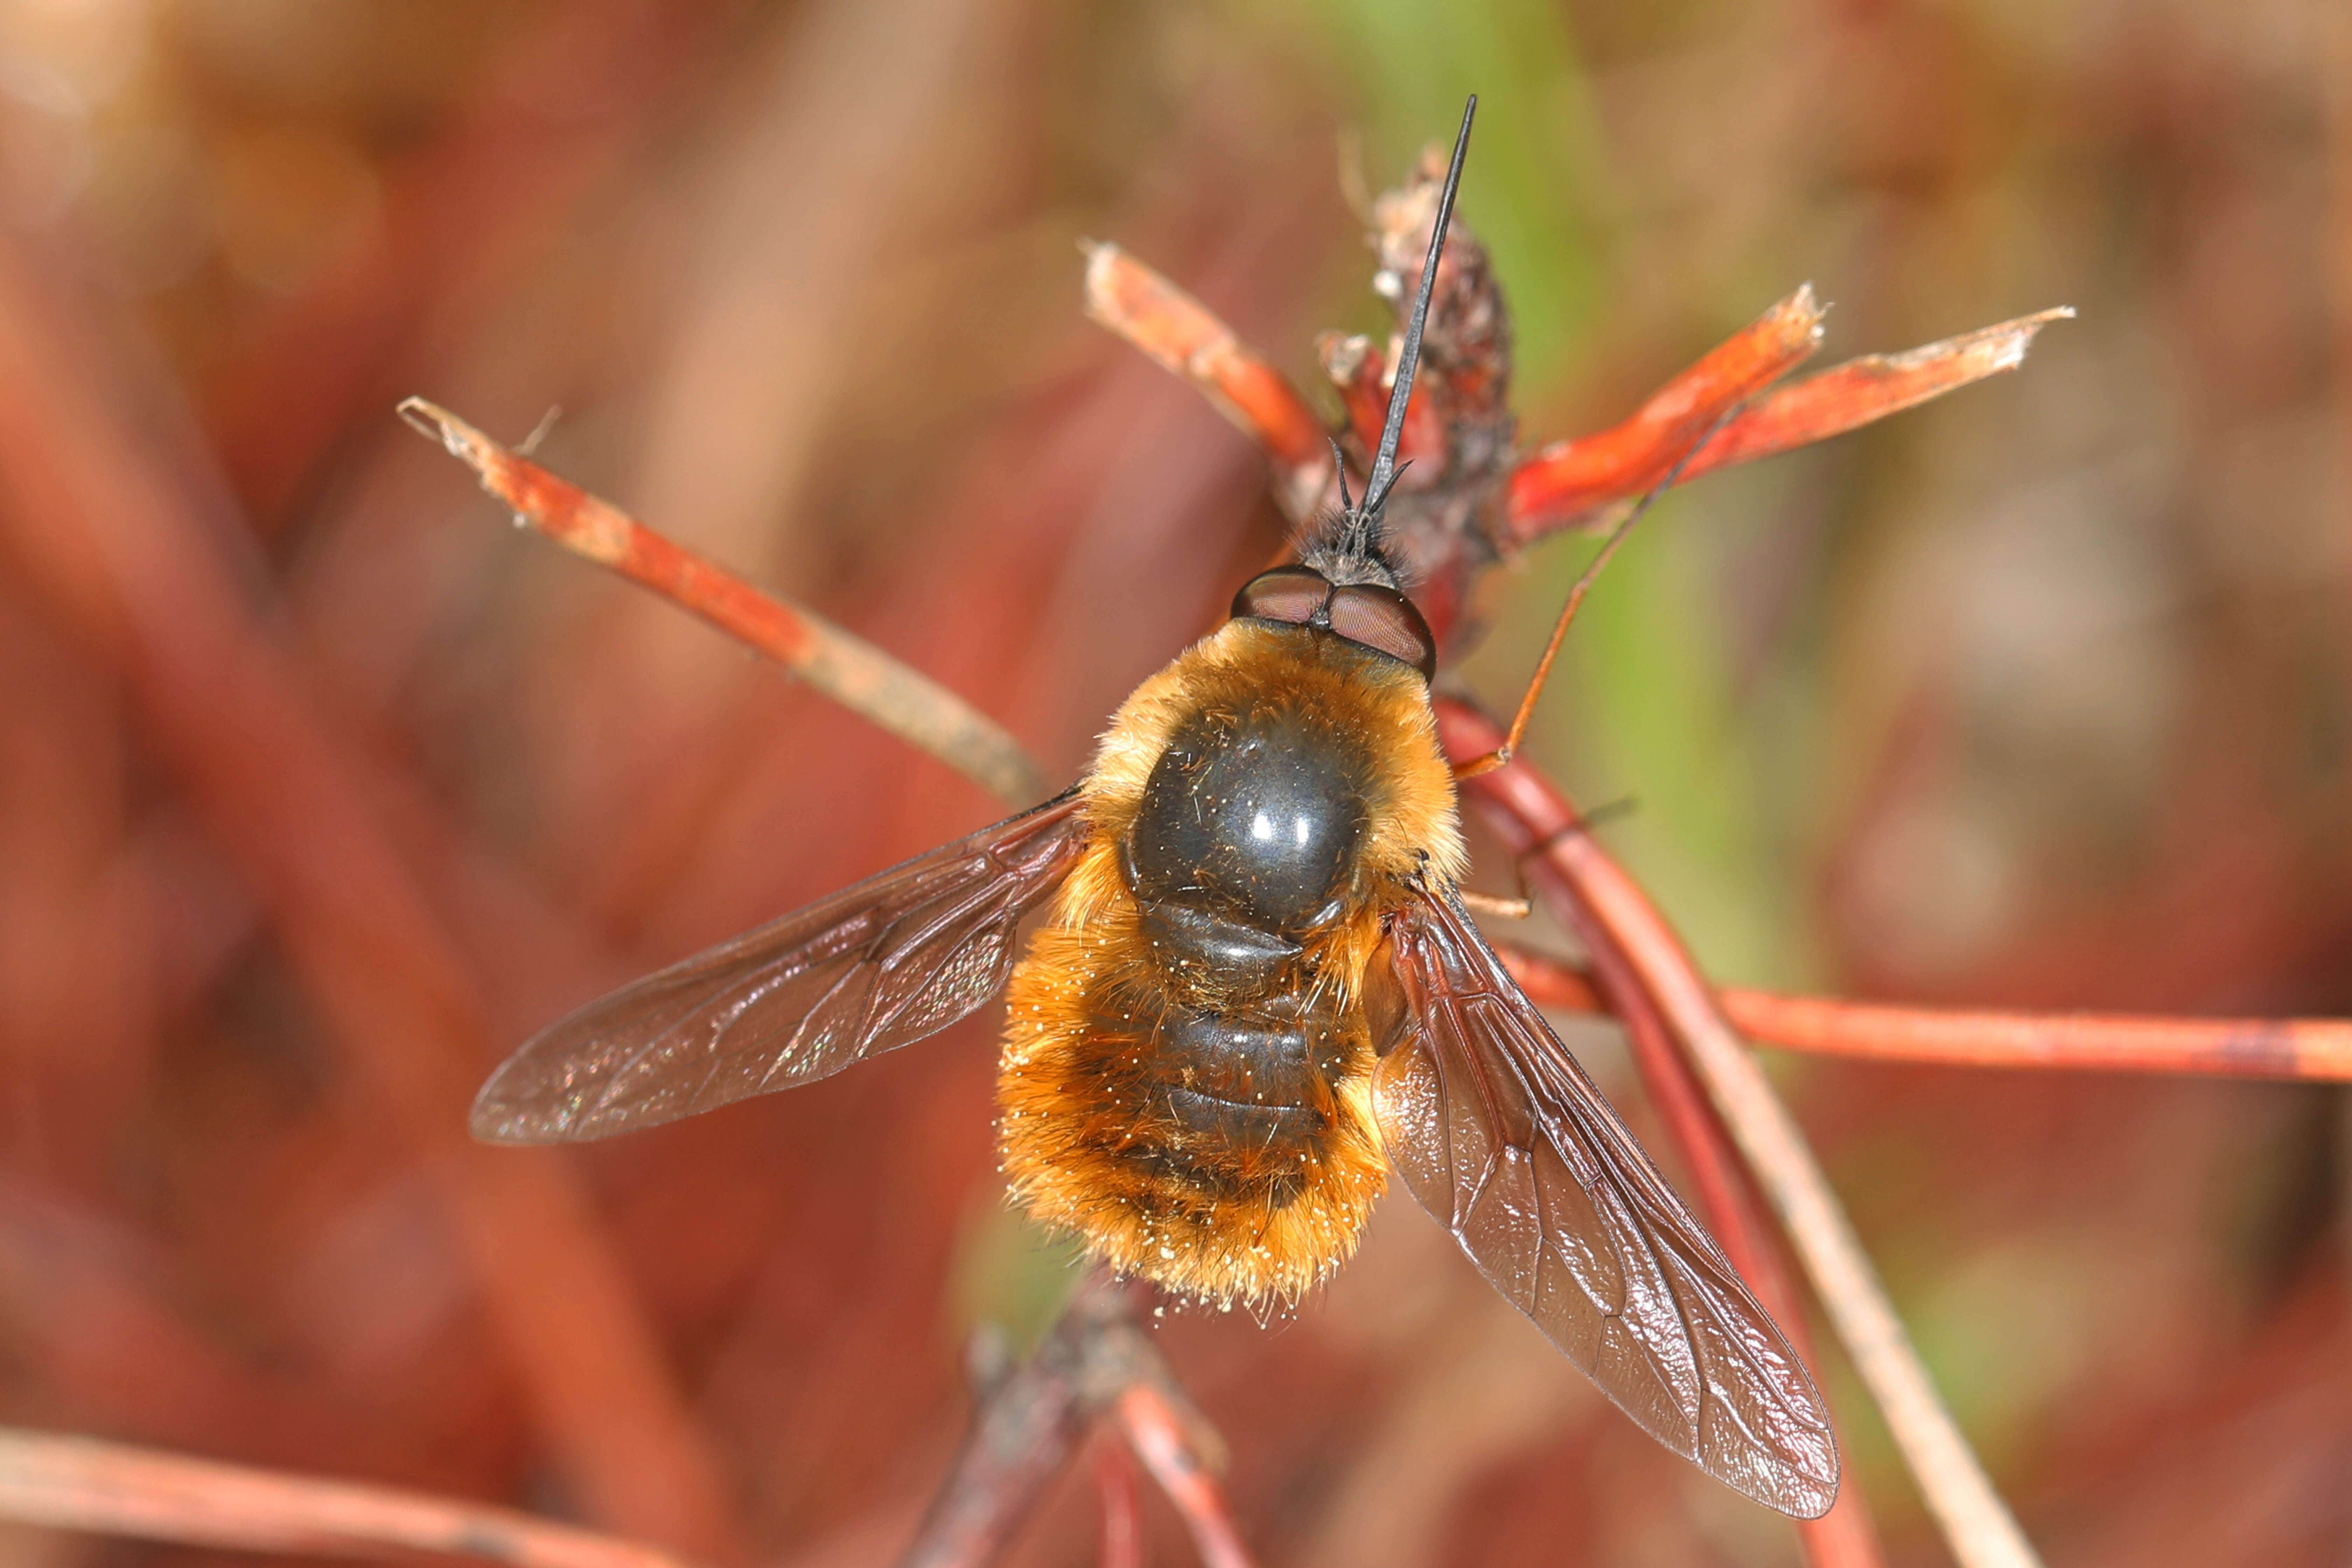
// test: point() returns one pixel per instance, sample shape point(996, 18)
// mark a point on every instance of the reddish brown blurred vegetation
point(316, 791)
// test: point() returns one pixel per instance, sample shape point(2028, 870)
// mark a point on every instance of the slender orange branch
point(82, 1483)
point(1569, 479)
point(1095, 1361)
point(846, 667)
point(2315, 1050)
point(1122, 1510)
point(1569, 482)
point(1551, 981)
point(1181, 334)
point(1028, 1425)
point(1162, 1437)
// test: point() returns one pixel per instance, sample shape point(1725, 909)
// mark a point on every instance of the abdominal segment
point(1227, 1152)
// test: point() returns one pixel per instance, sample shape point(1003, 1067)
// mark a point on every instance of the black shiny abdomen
point(1249, 1060)
point(1245, 843)
point(1229, 1099)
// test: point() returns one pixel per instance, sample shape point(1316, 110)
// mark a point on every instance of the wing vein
point(1609, 1263)
point(892, 960)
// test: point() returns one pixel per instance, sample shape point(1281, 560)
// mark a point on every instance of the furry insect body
point(1187, 1068)
point(1258, 991)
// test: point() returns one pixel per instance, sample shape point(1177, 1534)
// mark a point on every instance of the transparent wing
point(881, 964)
point(1501, 1135)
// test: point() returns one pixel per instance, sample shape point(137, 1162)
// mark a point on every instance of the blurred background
point(320, 787)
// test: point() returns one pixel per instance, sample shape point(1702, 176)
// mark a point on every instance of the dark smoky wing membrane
point(1503, 1137)
point(881, 964)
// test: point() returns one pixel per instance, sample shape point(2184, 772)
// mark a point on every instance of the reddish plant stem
point(1975, 1522)
point(1027, 1425)
point(1122, 1508)
point(848, 668)
point(1186, 338)
point(1097, 1360)
point(1844, 1537)
point(82, 1483)
point(2312, 1049)
point(1553, 982)
point(1163, 1436)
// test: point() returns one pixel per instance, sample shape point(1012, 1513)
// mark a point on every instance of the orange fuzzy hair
point(1069, 1085)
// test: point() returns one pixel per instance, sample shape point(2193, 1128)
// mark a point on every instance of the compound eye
point(1386, 622)
point(1290, 594)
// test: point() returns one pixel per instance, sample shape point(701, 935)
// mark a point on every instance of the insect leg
point(1510, 746)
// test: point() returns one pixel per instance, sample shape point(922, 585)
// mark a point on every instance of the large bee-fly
point(1257, 990)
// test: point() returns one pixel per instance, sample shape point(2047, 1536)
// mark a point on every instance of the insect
point(1257, 990)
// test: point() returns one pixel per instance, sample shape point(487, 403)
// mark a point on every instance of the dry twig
point(1182, 336)
point(2314, 1050)
point(1122, 1508)
point(1098, 1359)
point(82, 1483)
point(848, 668)
point(1164, 1436)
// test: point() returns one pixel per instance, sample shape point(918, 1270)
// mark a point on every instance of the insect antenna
point(1510, 746)
point(1339, 467)
point(1357, 542)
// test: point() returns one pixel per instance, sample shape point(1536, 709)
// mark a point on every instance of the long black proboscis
point(1384, 473)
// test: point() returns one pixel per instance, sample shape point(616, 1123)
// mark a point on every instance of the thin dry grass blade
point(82, 1483)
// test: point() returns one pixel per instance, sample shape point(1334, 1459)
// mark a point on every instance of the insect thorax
point(1248, 837)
